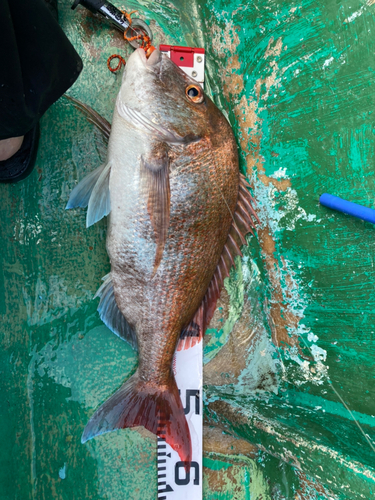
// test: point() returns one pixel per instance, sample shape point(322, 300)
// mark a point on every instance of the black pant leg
point(37, 64)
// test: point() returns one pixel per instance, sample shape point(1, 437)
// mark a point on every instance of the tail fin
point(138, 403)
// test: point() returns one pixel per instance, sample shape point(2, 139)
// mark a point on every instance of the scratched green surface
point(294, 330)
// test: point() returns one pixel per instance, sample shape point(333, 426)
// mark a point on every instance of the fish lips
point(153, 62)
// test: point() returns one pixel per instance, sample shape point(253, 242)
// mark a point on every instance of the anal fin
point(242, 225)
point(111, 315)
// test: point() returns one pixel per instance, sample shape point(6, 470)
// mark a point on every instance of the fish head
point(159, 97)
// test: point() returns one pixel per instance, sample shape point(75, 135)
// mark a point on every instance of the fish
point(178, 213)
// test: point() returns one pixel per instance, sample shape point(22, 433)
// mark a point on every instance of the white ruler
point(174, 483)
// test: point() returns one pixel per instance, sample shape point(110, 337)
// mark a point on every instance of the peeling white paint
point(312, 338)
point(267, 197)
point(359, 12)
point(275, 50)
point(327, 62)
point(318, 353)
point(279, 174)
point(26, 231)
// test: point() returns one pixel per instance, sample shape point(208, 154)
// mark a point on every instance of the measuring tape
point(174, 483)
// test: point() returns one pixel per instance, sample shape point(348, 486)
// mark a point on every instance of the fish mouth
point(152, 61)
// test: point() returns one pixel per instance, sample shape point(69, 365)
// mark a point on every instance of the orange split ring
point(120, 62)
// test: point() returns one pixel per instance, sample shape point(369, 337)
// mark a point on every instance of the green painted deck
point(289, 358)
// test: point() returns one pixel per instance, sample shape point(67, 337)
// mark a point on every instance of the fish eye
point(194, 93)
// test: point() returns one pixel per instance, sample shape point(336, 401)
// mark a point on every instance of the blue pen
point(347, 207)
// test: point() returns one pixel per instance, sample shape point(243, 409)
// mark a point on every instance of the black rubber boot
point(21, 164)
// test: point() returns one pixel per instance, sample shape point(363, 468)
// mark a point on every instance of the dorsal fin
point(92, 116)
point(242, 225)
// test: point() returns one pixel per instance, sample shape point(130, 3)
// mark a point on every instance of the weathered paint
point(289, 355)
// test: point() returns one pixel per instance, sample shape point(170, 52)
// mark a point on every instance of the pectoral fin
point(99, 203)
point(80, 196)
point(93, 190)
point(156, 174)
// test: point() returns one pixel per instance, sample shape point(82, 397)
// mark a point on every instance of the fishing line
point(351, 414)
point(343, 402)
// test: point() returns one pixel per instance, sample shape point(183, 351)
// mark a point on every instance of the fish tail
point(138, 403)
